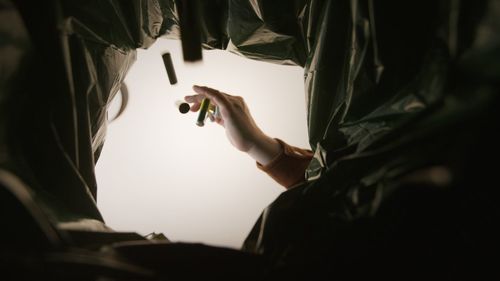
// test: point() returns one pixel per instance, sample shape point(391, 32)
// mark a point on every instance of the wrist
point(265, 149)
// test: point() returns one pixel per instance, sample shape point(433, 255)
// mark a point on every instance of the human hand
point(241, 129)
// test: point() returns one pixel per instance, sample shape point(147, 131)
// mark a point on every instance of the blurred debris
point(153, 236)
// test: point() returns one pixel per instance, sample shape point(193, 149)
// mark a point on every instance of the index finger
point(194, 98)
point(217, 97)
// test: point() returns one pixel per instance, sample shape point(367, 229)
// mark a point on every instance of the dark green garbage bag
point(402, 117)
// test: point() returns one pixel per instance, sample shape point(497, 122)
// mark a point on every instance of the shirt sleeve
point(288, 168)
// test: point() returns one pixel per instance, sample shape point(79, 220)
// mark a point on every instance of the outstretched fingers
point(218, 98)
point(195, 100)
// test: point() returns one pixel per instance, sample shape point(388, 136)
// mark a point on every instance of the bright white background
point(159, 172)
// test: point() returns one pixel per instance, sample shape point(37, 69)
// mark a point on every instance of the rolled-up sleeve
point(288, 168)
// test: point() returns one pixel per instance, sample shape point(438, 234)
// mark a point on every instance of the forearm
point(265, 149)
point(284, 163)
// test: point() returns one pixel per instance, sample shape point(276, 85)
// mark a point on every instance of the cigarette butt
point(182, 106)
point(213, 111)
point(217, 112)
point(205, 104)
point(169, 66)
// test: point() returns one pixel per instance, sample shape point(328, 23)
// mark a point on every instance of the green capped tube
point(202, 115)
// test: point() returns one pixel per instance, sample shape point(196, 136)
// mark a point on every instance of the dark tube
point(182, 106)
point(189, 17)
point(169, 66)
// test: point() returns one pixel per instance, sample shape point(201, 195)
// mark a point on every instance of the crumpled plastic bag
point(401, 101)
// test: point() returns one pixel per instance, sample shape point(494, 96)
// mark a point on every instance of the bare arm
point(241, 129)
point(284, 163)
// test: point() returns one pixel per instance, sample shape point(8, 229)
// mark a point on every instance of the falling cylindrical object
point(182, 106)
point(202, 115)
point(189, 17)
point(169, 66)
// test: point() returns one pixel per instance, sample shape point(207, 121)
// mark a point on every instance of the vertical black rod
point(189, 17)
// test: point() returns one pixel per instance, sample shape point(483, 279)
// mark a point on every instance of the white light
point(159, 172)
